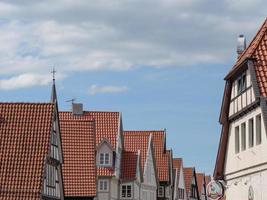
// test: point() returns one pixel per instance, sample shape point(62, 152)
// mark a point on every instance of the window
point(51, 175)
point(126, 191)
point(251, 132)
point(103, 185)
point(180, 193)
point(241, 84)
point(161, 191)
point(237, 139)
point(243, 136)
point(104, 159)
point(258, 129)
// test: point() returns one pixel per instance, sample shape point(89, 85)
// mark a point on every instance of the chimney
point(77, 108)
point(241, 45)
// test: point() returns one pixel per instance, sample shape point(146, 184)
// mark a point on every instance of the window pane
point(123, 191)
point(129, 191)
point(258, 129)
point(101, 158)
point(251, 132)
point(237, 139)
point(243, 135)
point(107, 158)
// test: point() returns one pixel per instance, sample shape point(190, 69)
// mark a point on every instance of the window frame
point(237, 139)
point(251, 133)
point(102, 157)
point(241, 83)
point(103, 181)
point(127, 187)
point(243, 136)
point(258, 129)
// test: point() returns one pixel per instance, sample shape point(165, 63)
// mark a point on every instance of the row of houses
point(49, 154)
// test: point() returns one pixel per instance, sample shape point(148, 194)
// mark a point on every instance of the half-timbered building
point(31, 157)
point(241, 160)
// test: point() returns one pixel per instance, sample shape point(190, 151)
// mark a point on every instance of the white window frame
point(161, 191)
point(103, 182)
point(105, 155)
point(126, 191)
point(258, 122)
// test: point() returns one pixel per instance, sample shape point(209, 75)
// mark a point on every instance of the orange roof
point(129, 165)
point(200, 182)
point(188, 175)
point(162, 158)
point(257, 50)
point(177, 163)
point(106, 127)
point(132, 144)
point(78, 145)
point(207, 179)
point(25, 130)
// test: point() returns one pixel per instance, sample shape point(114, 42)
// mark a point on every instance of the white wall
point(104, 148)
point(251, 156)
point(239, 191)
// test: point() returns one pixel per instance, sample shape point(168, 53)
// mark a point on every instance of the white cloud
point(109, 35)
point(25, 81)
point(95, 89)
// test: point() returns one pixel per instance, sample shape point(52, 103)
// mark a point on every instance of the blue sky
point(162, 68)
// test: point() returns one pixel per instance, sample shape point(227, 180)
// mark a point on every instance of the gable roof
point(78, 141)
point(207, 180)
point(133, 142)
point(129, 165)
point(189, 173)
point(256, 53)
point(25, 131)
point(177, 164)
point(106, 128)
point(161, 157)
point(200, 182)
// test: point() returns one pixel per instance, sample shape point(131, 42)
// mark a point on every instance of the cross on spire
point(54, 74)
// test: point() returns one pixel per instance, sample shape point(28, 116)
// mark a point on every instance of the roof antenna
point(54, 74)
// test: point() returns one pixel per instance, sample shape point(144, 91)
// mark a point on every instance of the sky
point(159, 62)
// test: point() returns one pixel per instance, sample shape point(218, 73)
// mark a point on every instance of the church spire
point(54, 92)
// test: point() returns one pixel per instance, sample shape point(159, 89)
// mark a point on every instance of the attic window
point(161, 191)
point(126, 191)
point(104, 159)
point(241, 84)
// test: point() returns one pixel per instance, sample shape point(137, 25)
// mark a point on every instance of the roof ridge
point(27, 103)
point(252, 47)
point(95, 111)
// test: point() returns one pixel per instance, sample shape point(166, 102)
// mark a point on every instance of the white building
point(179, 182)
point(242, 156)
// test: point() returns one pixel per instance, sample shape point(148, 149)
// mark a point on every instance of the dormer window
point(241, 84)
point(104, 159)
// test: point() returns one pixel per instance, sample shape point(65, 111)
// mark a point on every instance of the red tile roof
point(257, 50)
point(161, 157)
point(25, 130)
point(129, 165)
point(207, 179)
point(106, 127)
point(177, 163)
point(200, 182)
point(188, 175)
point(78, 145)
point(132, 143)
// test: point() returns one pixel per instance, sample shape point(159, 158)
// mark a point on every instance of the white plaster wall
point(149, 170)
point(251, 156)
point(181, 181)
point(114, 189)
point(136, 190)
point(239, 191)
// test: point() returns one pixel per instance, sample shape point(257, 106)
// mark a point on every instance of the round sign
point(250, 193)
point(215, 190)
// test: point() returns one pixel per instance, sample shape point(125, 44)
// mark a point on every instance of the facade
point(191, 183)
point(78, 145)
point(30, 152)
point(201, 184)
point(138, 167)
point(179, 181)
point(241, 161)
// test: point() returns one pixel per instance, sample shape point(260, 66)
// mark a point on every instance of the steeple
point(54, 92)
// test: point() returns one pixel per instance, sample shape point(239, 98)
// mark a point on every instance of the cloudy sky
point(160, 62)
